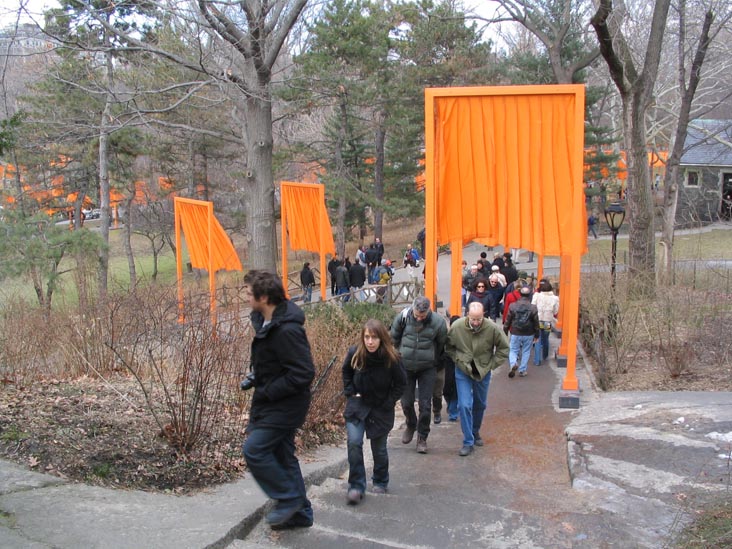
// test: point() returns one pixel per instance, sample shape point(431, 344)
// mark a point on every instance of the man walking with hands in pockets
point(419, 335)
point(477, 347)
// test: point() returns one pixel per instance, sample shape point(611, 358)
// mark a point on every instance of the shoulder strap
point(403, 320)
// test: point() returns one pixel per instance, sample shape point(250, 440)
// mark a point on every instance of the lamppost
point(614, 216)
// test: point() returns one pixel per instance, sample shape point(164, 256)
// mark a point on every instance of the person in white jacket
point(548, 305)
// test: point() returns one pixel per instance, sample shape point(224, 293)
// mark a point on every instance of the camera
point(248, 382)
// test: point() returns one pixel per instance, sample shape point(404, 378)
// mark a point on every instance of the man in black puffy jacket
point(283, 370)
point(420, 336)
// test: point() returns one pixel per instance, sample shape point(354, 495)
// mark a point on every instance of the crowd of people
point(419, 360)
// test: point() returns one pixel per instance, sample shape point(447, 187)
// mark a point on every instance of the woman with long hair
point(548, 306)
point(373, 381)
point(480, 294)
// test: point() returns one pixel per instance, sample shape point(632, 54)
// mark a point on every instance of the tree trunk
point(343, 174)
point(379, 175)
point(641, 243)
point(261, 232)
point(671, 181)
point(636, 89)
point(128, 242)
point(104, 221)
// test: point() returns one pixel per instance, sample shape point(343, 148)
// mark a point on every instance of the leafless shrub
point(608, 327)
point(188, 372)
point(670, 324)
point(29, 344)
point(679, 327)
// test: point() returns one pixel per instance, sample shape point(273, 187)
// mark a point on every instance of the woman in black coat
point(373, 381)
point(480, 294)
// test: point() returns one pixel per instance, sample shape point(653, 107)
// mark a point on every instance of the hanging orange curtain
point(505, 172)
point(194, 219)
point(305, 221)
point(304, 206)
point(209, 247)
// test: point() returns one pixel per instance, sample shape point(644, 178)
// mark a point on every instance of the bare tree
point(688, 82)
point(636, 92)
point(250, 36)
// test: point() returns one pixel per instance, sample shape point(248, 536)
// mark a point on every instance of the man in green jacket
point(419, 335)
point(477, 346)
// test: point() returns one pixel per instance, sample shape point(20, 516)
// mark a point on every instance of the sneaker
point(378, 489)
point(465, 450)
point(422, 445)
point(438, 418)
point(408, 434)
point(451, 418)
point(512, 372)
point(354, 496)
point(522, 374)
point(477, 440)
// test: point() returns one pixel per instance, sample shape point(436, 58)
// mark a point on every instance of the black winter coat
point(379, 385)
point(357, 274)
point(307, 277)
point(283, 369)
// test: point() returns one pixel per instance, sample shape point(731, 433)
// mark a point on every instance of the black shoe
point(438, 418)
point(279, 517)
point(512, 372)
point(465, 451)
point(299, 520)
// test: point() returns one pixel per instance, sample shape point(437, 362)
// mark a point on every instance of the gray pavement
point(625, 470)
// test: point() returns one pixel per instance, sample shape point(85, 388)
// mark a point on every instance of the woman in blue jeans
point(373, 381)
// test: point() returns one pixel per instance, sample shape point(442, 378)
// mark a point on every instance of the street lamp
point(614, 216)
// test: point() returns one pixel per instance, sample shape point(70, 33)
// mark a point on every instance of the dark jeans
point(424, 380)
point(437, 391)
point(356, 469)
point(270, 455)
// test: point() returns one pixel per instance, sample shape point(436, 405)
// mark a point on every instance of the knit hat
point(495, 268)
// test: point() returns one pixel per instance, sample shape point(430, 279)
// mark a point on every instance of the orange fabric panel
point(194, 221)
point(303, 207)
point(115, 196)
point(507, 166)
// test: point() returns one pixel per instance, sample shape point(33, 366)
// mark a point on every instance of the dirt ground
point(102, 433)
point(649, 372)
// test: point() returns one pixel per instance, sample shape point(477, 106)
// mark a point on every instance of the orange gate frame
point(504, 164)
point(209, 247)
point(299, 204)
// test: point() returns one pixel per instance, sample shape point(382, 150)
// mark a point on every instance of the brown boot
point(421, 445)
point(408, 434)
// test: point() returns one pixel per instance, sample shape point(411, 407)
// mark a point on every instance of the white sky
point(34, 9)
